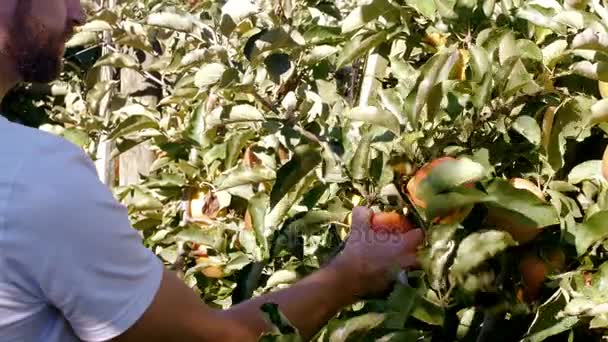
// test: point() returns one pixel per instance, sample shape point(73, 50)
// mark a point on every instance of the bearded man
point(73, 269)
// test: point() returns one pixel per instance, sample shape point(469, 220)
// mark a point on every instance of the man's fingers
point(413, 239)
point(362, 217)
point(409, 261)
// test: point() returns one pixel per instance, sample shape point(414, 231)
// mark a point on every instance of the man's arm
point(178, 315)
point(79, 254)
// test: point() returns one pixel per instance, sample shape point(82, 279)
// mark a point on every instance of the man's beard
point(36, 54)
point(39, 66)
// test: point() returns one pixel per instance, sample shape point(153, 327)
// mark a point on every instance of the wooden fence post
point(138, 160)
point(103, 161)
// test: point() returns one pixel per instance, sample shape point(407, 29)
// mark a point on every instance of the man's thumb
point(362, 219)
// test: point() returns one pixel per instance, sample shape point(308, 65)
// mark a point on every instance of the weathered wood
point(138, 160)
point(104, 164)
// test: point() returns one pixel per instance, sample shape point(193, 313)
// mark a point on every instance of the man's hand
point(364, 267)
point(371, 257)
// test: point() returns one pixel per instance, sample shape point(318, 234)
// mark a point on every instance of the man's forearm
point(307, 304)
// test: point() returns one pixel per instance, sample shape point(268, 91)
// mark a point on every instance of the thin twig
point(265, 102)
point(84, 51)
point(144, 73)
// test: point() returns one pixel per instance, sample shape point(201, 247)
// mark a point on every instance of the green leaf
point(446, 203)
point(82, 39)
point(402, 335)
point(507, 48)
point(281, 326)
point(376, 116)
point(521, 204)
point(480, 63)
point(314, 220)
point(519, 79)
point(541, 17)
point(257, 209)
point(589, 170)
point(76, 136)
point(305, 159)
point(546, 322)
point(173, 21)
point(196, 234)
point(141, 199)
point(406, 300)
point(244, 175)
point(117, 60)
point(96, 25)
point(529, 50)
point(234, 145)
point(477, 248)
point(209, 74)
point(279, 212)
point(362, 15)
point(529, 128)
point(132, 124)
point(234, 114)
point(358, 46)
point(451, 174)
point(363, 322)
point(424, 7)
point(319, 53)
point(599, 322)
point(595, 71)
point(466, 324)
point(553, 52)
point(590, 39)
point(271, 40)
point(599, 112)
point(196, 124)
point(318, 34)
point(441, 248)
point(570, 122)
point(590, 232)
point(96, 95)
point(360, 163)
point(435, 71)
point(234, 12)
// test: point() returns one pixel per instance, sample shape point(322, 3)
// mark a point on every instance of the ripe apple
point(533, 272)
point(391, 222)
point(211, 271)
point(412, 188)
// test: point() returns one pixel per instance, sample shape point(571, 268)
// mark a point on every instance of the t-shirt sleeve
point(73, 245)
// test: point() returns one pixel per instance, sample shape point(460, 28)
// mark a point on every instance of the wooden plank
point(103, 162)
point(138, 160)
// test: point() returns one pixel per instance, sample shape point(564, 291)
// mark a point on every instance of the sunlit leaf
point(118, 60)
point(478, 248)
point(592, 231)
point(305, 159)
point(243, 176)
point(133, 124)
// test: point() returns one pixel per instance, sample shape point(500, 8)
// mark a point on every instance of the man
point(73, 269)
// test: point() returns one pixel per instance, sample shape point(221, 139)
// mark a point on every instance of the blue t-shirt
point(71, 266)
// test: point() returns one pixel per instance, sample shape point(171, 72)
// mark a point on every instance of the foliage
point(275, 118)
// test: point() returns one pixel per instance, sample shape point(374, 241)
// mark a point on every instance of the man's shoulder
point(20, 137)
point(25, 145)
